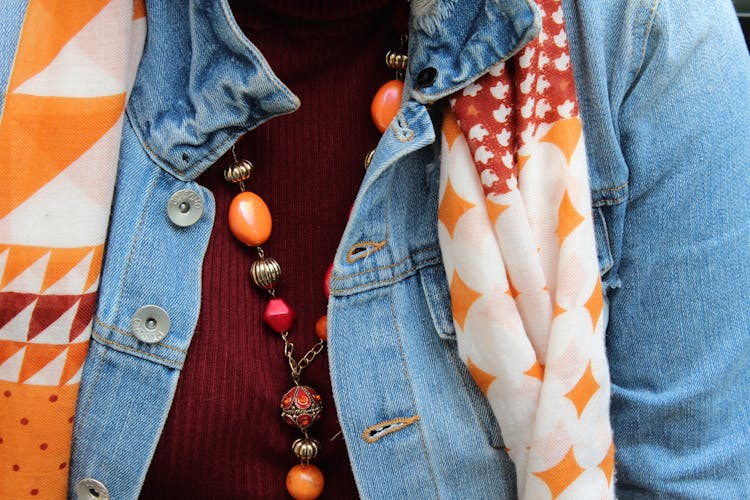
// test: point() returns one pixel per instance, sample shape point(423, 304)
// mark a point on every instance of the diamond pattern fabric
point(517, 238)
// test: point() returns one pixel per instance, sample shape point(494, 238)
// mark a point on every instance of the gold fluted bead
point(238, 171)
point(306, 448)
point(397, 61)
point(265, 272)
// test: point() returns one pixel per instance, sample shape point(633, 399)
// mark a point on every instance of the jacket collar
point(462, 39)
point(201, 84)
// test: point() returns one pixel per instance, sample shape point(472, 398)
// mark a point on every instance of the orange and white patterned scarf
point(518, 245)
point(60, 135)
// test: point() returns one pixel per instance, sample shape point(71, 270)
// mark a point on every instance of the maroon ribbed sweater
point(224, 437)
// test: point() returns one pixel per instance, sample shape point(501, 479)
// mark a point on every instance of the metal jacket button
point(150, 324)
point(185, 207)
point(91, 489)
point(426, 77)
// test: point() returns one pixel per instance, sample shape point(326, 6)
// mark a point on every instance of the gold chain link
point(295, 366)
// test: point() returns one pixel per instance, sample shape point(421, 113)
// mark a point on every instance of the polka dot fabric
point(35, 430)
point(517, 238)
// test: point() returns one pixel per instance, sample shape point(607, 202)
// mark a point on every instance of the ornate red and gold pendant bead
point(301, 407)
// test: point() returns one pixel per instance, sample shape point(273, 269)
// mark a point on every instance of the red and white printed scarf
point(517, 238)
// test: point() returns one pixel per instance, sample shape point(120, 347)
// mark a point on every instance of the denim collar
point(461, 40)
point(201, 84)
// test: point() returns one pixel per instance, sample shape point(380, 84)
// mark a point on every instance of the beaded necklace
point(250, 222)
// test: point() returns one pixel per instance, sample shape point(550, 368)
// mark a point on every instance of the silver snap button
point(91, 489)
point(150, 324)
point(185, 207)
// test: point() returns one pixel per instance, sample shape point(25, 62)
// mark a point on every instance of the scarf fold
point(517, 238)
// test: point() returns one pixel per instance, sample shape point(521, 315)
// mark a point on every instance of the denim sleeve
point(679, 332)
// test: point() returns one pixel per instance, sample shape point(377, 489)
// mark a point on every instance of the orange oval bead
point(250, 219)
point(304, 482)
point(386, 102)
point(321, 328)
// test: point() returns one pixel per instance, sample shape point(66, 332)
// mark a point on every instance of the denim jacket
point(663, 88)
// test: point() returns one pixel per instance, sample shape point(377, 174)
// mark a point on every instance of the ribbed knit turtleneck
point(224, 437)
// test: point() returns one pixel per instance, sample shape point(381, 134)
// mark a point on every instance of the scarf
point(517, 238)
point(60, 132)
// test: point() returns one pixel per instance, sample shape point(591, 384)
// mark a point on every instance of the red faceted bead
point(278, 315)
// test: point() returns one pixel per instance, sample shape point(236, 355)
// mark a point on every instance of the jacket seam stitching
point(167, 165)
point(390, 266)
point(609, 201)
point(647, 34)
point(112, 343)
point(609, 190)
point(132, 335)
point(392, 279)
point(92, 389)
point(134, 244)
point(418, 424)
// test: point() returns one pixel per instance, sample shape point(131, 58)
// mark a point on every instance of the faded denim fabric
point(663, 89)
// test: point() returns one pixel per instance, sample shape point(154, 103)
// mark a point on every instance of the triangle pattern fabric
point(81, 68)
point(31, 274)
point(8, 348)
point(73, 206)
point(57, 79)
point(10, 369)
point(74, 361)
point(82, 320)
point(12, 303)
point(19, 260)
point(96, 265)
point(61, 261)
point(59, 23)
point(37, 357)
point(18, 326)
point(36, 131)
point(48, 309)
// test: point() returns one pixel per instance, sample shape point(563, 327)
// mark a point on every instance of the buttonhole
point(401, 128)
point(363, 249)
point(185, 157)
point(382, 429)
point(379, 430)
